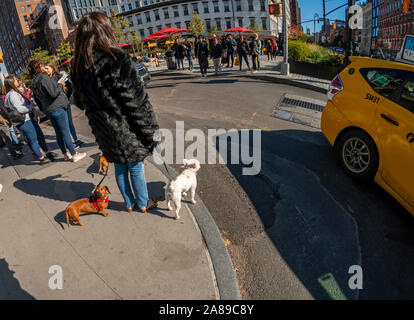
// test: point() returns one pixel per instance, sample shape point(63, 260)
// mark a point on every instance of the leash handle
point(99, 184)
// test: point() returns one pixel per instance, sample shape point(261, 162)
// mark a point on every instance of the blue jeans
point(71, 126)
point(180, 61)
point(60, 123)
point(13, 136)
point(190, 61)
point(139, 185)
point(34, 135)
point(244, 56)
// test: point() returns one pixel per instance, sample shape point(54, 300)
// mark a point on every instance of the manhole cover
point(300, 110)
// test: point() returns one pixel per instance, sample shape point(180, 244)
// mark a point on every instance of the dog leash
point(99, 184)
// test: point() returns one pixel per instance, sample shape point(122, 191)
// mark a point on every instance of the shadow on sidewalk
point(10, 288)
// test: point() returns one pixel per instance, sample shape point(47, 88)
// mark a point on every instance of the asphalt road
point(294, 230)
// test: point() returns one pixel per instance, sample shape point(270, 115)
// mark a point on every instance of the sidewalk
point(122, 256)
point(270, 71)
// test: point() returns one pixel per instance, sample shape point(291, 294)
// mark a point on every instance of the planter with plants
point(313, 60)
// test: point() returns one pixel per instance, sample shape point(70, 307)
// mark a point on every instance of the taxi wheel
point(358, 154)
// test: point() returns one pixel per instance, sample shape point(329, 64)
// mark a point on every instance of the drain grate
point(291, 102)
point(300, 110)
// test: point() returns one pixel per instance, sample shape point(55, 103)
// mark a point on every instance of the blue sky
point(310, 7)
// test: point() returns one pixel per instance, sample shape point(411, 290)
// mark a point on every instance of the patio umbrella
point(239, 30)
point(124, 44)
point(168, 31)
point(155, 38)
point(67, 61)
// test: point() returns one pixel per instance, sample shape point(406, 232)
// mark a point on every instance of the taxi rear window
point(384, 81)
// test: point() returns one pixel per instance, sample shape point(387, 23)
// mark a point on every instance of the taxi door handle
point(410, 137)
point(387, 118)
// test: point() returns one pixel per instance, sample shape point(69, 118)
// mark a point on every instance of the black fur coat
point(117, 106)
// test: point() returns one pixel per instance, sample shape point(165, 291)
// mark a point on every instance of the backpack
point(11, 114)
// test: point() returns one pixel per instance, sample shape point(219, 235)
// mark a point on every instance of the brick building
point(393, 24)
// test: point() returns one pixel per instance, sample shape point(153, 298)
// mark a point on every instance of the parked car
point(369, 120)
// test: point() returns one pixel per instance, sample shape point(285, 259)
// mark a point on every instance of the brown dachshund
point(103, 165)
point(97, 202)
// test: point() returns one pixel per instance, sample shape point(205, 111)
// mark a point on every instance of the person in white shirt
point(27, 125)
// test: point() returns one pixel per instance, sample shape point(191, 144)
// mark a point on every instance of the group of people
point(106, 86)
point(223, 50)
point(49, 92)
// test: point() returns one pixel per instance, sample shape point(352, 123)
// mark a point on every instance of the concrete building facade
point(366, 33)
point(148, 16)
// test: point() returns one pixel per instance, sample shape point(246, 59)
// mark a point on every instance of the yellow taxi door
point(395, 129)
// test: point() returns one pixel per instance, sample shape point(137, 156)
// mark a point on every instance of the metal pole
point(324, 23)
point(348, 48)
point(285, 64)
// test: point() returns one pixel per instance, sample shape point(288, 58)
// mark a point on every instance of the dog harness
point(99, 200)
point(191, 168)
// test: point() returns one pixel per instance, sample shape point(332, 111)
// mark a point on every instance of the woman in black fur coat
point(106, 86)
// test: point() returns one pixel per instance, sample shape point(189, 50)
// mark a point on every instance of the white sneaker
point(78, 157)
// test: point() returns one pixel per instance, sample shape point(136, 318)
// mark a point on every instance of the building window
point(185, 8)
point(122, 8)
point(238, 5)
point(157, 15)
point(252, 21)
point(228, 24)
point(264, 23)
point(150, 30)
point(218, 24)
point(25, 18)
point(142, 33)
point(72, 3)
point(216, 6)
point(208, 25)
point(23, 8)
point(147, 17)
point(195, 7)
point(166, 13)
point(240, 21)
point(262, 5)
point(139, 19)
point(131, 22)
point(187, 24)
point(226, 6)
point(205, 6)
point(137, 4)
point(129, 6)
point(178, 25)
point(168, 25)
point(145, 2)
point(159, 28)
point(176, 12)
point(251, 8)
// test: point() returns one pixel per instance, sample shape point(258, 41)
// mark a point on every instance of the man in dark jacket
point(216, 51)
point(201, 52)
point(231, 44)
point(243, 51)
point(255, 52)
point(179, 52)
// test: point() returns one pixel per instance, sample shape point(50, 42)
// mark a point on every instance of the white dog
point(180, 185)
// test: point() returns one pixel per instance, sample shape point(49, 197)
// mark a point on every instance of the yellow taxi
point(369, 120)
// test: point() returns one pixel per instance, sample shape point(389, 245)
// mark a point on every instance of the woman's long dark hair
point(9, 83)
point(94, 31)
point(53, 66)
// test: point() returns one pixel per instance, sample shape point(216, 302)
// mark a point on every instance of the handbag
point(237, 61)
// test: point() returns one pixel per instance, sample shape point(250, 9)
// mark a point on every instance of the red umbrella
point(67, 61)
point(124, 44)
point(155, 38)
point(168, 31)
point(239, 30)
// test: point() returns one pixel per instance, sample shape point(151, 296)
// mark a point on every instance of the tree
point(197, 26)
point(255, 27)
point(64, 52)
point(135, 41)
point(42, 55)
point(119, 24)
point(215, 30)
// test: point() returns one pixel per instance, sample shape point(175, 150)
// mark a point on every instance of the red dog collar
point(99, 200)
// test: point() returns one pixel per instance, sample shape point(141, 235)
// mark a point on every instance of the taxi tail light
point(335, 87)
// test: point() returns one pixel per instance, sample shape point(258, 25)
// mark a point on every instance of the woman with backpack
point(20, 111)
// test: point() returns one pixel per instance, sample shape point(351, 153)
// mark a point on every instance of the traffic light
point(335, 25)
point(408, 5)
point(275, 9)
point(1, 58)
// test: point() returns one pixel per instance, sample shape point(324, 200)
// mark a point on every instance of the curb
point(263, 77)
point(223, 267)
